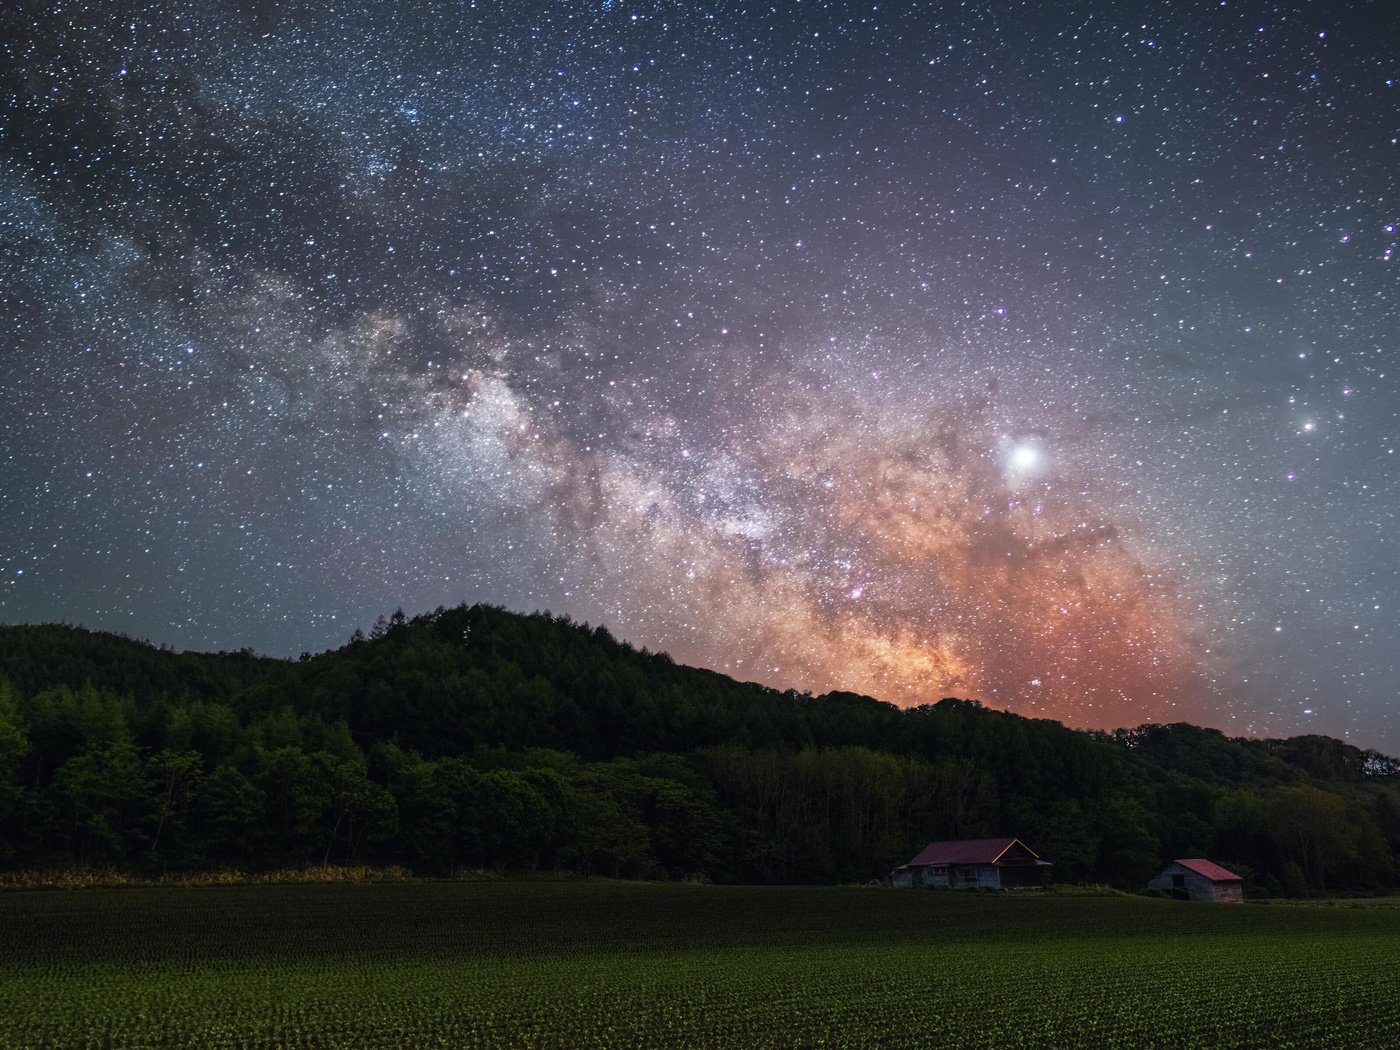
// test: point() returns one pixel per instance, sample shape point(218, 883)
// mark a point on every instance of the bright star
point(1025, 457)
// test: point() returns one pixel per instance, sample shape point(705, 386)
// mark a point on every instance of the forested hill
point(475, 737)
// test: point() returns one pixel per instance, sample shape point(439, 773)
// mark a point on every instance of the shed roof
point(1209, 870)
point(967, 851)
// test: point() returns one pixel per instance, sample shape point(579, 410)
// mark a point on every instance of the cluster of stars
point(1035, 353)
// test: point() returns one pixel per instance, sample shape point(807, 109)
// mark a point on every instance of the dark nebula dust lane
point(1035, 354)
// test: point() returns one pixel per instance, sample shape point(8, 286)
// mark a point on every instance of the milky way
point(1031, 353)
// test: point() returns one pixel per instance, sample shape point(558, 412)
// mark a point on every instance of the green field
point(633, 965)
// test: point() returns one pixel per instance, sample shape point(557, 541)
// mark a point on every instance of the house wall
point(972, 877)
point(1014, 876)
point(960, 877)
point(936, 878)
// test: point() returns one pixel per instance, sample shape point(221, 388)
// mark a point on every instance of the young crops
point(626, 965)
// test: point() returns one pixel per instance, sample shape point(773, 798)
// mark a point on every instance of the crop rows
point(531, 968)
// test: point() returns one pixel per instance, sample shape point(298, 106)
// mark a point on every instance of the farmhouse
point(973, 864)
point(1199, 880)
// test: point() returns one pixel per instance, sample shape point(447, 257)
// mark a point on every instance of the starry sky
point(1036, 353)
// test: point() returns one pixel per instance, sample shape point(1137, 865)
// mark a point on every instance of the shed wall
point(1194, 886)
point(1199, 888)
point(1229, 892)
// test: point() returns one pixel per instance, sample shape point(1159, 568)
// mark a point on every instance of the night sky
point(1035, 353)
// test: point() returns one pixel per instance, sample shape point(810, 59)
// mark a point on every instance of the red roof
point(1214, 872)
point(965, 851)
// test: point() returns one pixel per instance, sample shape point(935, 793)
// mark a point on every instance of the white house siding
point(935, 877)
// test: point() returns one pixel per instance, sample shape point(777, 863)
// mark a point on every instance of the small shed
point(973, 864)
point(1199, 880)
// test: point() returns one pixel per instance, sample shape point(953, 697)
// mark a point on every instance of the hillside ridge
point(474, 736)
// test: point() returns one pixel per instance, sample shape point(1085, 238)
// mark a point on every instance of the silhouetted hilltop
point(36, 657)
point(476, 736)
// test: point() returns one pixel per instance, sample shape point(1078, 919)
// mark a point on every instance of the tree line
point(473, 738)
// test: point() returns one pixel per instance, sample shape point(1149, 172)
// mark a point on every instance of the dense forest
point(474, 738)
